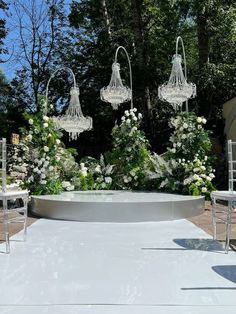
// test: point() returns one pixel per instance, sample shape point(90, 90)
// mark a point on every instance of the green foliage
point(129, 153)
point(186, 167)
point(40, 161)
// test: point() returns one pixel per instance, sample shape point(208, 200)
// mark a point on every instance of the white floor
point(100, 268)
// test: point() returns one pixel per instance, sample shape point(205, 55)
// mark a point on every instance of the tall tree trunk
point(142, 58)
point(106, 17)
point(203, 39)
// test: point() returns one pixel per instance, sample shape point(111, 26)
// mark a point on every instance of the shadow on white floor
point(76, 267)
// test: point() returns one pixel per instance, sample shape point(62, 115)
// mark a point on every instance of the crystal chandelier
point(177, 90)
point(73, 121)
point(116, 93)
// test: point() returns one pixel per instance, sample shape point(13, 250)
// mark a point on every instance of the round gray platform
point(117, 206)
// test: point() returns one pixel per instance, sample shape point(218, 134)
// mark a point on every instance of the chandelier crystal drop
point(73, 121)
point(116, 93)
point(177, 90)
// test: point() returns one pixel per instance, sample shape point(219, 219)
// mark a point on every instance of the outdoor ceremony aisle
point(99, 268)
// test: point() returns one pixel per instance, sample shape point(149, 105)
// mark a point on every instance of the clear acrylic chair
point(223, 214)
point(14, 202)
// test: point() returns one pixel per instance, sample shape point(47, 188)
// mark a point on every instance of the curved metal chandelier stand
point(177, 90)
point(116, 93)
point(73, 121)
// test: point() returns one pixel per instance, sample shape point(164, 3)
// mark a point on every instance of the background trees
point(84, 36)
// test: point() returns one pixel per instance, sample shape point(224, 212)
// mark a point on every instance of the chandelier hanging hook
point(130, 72)
point(73, 121)
point(53, 75)
point(177, 90)
point(116, 93)
point(179, 39)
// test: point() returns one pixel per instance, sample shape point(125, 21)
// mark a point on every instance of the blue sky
point(11, 40)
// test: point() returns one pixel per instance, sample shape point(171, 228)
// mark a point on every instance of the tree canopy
point(85, 37)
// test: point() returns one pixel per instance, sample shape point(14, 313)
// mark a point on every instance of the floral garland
point(43, 165)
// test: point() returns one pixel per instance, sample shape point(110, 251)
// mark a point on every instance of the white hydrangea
point(108, 180)
point(65, 184)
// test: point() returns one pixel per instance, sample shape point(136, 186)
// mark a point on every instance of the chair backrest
point(3, 164)
point(231, 149)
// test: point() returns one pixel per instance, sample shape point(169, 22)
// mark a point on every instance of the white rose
point(123, 119)
point(58, 141)
point(135, 118)
point(45, 118)
point(43, 176)
point(84, 173)
point(196, 177)
point(204, 189)
point(127, 113)
point(185, 126)
point(46, 149)
point(204, 121)
point(29, 137)
point(43, 182)
point(31, 121)
point(211, 175)
point(199, 120)
point(140, 115)
point(173, 150)
point(45, 125)
point(135, 109)
point(128, 121)
point(50, 168)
